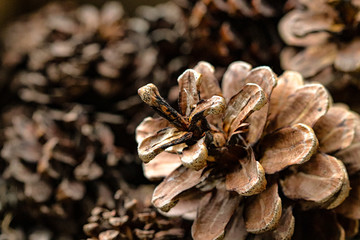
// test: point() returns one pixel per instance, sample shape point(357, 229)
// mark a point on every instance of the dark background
point(10, 9)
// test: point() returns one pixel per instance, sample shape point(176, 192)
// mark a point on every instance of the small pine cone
point(133, 218)
point(63, 163)
point(324, 43)
point(251, 158)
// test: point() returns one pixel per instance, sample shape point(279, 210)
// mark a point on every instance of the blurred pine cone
point(324, 40)
point(63, 54)
point(252, 158)
point(165, 27)
point(224, 31)
point(62, 163)
point(133, 218)
point(216, 31)
point(61, 51)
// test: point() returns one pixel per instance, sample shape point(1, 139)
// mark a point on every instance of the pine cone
point(133, 218)
point(224, 31)
point(63, 54)
point(63, 163)
point(165, 27)
point(324, 41)
point(253, 157)
point(217, 31)
point(66, 51)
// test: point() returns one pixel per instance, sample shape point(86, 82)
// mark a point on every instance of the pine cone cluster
point(75, 71)
point(323, 40)
point(133, 218)
point(261, 156)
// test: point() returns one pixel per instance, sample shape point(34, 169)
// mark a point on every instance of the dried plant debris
point(323, 41)
point(62, 163)
point(133, 217)
point(249, 155)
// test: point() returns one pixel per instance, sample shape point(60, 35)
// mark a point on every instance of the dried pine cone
point(252, 158)
point(62, 163)
point(133, 218)
point(324, 40)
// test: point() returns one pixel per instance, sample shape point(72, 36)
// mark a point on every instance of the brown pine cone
point(323, 39)
point(62, 163)
point(253, 157)
point(133, 218)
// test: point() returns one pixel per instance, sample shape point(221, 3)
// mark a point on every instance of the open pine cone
point(254, 157)
point(325, 41)
point(133, 218)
